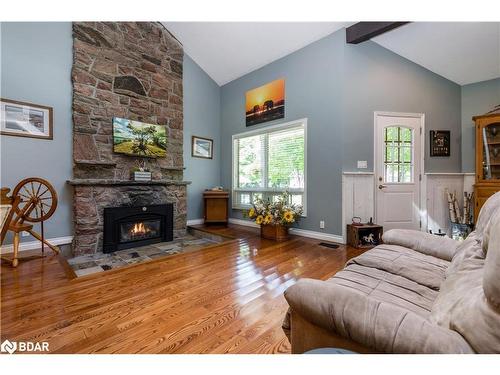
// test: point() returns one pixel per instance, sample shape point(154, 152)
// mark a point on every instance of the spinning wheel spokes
point(38, 199)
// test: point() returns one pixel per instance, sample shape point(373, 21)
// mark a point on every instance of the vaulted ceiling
point(229, 50)
point(463, 52)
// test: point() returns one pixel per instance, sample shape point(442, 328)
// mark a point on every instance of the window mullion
point(265, 162)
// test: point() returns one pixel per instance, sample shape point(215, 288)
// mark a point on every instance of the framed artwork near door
point(440, 142)
point(23, 119)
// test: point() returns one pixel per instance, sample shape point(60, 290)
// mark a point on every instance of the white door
point(398, 154)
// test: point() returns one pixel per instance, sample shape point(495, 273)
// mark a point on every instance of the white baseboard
point(317, 235)
point(37, 244)
point(296, 231)
point(246, 223)
point(195, 221)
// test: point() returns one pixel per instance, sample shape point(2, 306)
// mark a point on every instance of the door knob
point(382, 187)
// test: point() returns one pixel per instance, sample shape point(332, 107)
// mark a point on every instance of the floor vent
point(326, 244)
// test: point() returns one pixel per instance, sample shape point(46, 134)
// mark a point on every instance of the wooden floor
point(225, 299)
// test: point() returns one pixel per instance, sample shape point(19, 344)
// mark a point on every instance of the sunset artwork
point(265, 103)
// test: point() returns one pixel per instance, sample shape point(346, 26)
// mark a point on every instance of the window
point(267, 162)
point(398, 156)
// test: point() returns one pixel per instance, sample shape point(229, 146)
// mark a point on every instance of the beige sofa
point(416, 293)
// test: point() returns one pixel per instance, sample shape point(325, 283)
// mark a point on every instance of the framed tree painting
point(202, 147)
point(440, 143)
point(25, 119)
point(265, 103)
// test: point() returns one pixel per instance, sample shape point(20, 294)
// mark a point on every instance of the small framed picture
point(25, 119)
point(440, 143)
point(202, 147)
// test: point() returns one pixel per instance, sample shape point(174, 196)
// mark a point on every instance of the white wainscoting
point(358, 197)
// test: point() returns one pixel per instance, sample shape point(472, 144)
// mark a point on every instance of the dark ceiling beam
point(362, 31)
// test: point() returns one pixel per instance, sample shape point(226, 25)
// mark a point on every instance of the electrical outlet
point(25, 234)
point(362, 164)
point(322, 224)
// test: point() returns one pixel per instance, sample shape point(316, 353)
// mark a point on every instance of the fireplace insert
point(126, 227)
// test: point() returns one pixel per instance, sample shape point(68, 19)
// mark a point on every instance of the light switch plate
point(362, 164)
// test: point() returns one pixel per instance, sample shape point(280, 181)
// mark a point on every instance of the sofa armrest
point(425, 243)
point(381, 326)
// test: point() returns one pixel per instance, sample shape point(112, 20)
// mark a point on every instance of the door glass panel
point(491, 151)
point(398, 162)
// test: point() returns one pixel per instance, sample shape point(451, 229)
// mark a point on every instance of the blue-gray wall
point(36, 61)
point(338, 87)
point(312, 89)
point(201, 118)
point(376, 79)
point(477, 99)
point(36, 67)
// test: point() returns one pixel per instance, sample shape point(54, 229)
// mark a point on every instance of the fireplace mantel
point(104, 182)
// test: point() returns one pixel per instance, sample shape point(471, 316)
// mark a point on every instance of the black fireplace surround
point(126, 227)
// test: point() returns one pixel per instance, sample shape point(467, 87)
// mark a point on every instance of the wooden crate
point(355, 234)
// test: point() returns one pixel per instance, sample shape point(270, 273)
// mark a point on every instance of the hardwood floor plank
point(222, 299)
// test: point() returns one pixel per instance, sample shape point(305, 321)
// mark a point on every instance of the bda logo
point(8, 346)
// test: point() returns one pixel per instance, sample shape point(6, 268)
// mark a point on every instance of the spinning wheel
point(37, 203)
point(38, 199)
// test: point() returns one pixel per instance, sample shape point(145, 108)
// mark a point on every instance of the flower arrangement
point(272, 213)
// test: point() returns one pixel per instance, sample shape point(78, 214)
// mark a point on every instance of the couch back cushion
point(487, 211)
point(469, 298)
point(491, 277)
point(469, 248)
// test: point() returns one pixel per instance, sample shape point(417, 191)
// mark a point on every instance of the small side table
point(357, 235)
point(216, 206)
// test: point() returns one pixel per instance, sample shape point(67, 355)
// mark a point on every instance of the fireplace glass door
point(140, 230)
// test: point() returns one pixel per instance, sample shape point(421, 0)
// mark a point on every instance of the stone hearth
point(131, 70)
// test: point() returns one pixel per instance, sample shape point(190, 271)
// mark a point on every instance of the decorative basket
point(275, 232)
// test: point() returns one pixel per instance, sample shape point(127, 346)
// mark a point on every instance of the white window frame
point(264, 130)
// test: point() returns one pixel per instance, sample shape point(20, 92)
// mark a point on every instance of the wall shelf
point(110, 163)
point(101, 163)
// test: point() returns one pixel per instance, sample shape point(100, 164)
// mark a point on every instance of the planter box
point(273, 232)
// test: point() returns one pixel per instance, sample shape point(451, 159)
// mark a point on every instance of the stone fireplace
point(131, 70)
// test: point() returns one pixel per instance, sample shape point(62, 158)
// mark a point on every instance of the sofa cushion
point(423, 269)
point(425, 243)
point(489, 207)
point(386, 287)
point(470, 248)
point(468, 301)
point(361, 313)
point(491, 277)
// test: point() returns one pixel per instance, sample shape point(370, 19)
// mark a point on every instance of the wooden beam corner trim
point(363, 31)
